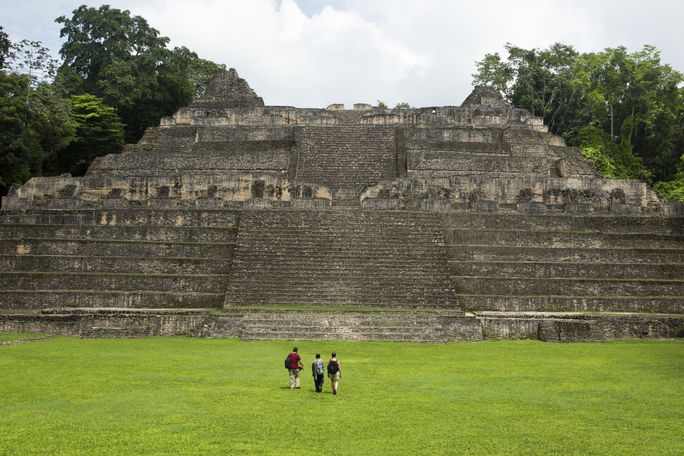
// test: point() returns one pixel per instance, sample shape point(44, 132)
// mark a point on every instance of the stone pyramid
point(236, 219)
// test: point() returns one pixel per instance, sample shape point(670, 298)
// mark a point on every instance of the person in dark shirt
point(334, 372)
point(295, 366)
point(318, 372)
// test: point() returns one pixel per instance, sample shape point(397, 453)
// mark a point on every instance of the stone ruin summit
point(236, 219)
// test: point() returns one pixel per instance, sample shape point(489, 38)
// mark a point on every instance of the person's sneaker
point(334, 391)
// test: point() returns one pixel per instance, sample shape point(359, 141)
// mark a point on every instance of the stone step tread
point(511, 229)
point(101, 273)
point(569, 287)
point(331, 332)
point(563, 279)
point(114, 258)
point(568, 270)
point(326, 337)
point(139, 226)
point(455, 247)
point(122, 241)
point(555, 303)
point(131, 234)
point(561, 222)
point(564, 297)
point(307, 325)
point(344, 291)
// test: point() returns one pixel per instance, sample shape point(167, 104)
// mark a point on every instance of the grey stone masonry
point(433, 224)
point(127, 258)
point(228, 90)
point(346, 158)
point(340, 258)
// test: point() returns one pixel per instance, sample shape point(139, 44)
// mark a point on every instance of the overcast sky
point(311, 53)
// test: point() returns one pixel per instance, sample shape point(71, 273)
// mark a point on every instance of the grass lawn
point(183, 396)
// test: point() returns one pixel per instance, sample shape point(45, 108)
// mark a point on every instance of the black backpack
point(287, 362)
point(333, 367)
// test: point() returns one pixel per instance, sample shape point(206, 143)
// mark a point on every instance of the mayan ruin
point(447, 223)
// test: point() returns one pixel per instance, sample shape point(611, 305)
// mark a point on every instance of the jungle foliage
point(624, 110)
point(117, 77)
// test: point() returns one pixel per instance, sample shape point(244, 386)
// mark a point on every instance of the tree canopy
point(118, 77)
point(124, 61)
point(624, 110)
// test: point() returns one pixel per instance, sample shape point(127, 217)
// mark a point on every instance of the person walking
point(295, 366)
point(318, 372)
point(334, 372)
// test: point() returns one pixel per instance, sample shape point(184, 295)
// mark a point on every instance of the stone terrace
point(236, 219)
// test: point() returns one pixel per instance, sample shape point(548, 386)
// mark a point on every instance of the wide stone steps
point(166, 164)
point(71, 281)
point(337, 258)
point(362, 294)
point(576, 303)
point(345, 156)
point(243, 146)
point(115, 232)
point(568, 286)
point(126, 248)
point(132, 258)
point(120, 264)
point(566, 269)
point(601, 263)
point(588, 223)
point(461, 147)
point(446, 164)
point(565, 254)
point(122, 217)
point(336, 273)
point(563, 239)
point(46, 299)
point(400, 326)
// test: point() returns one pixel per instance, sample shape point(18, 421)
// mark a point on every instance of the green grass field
point(183, 396)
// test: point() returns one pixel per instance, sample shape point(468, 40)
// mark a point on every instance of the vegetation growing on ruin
point(117, 78)
point(625, 110)
point(199, 396)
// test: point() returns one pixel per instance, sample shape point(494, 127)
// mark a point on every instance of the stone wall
point(235, 219)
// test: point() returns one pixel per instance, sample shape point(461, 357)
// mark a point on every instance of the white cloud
point(311, 53)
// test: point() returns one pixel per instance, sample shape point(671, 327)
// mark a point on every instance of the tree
point(32, 59)
point(5, 48)
point(198, 72)
point(29, 134)
point(35, 121)
point(673, 189)
point(625, 110)
point(637, 101)
point(124, 61)
point(98, 132)
point(537, 80)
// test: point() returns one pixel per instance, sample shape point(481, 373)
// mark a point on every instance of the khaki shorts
point(335, 376)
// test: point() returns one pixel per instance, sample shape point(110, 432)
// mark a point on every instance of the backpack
point(319, 367)
point(333, 367)
point(287, 362)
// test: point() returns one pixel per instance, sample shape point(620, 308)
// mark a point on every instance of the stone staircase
point(340, 259)
point(397, 326)
point(495, 152)
point(233, 219)
point(132, 258)
point(345, 158)
point(562, 263)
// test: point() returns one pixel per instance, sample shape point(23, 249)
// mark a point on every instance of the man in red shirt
point(295, 365)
